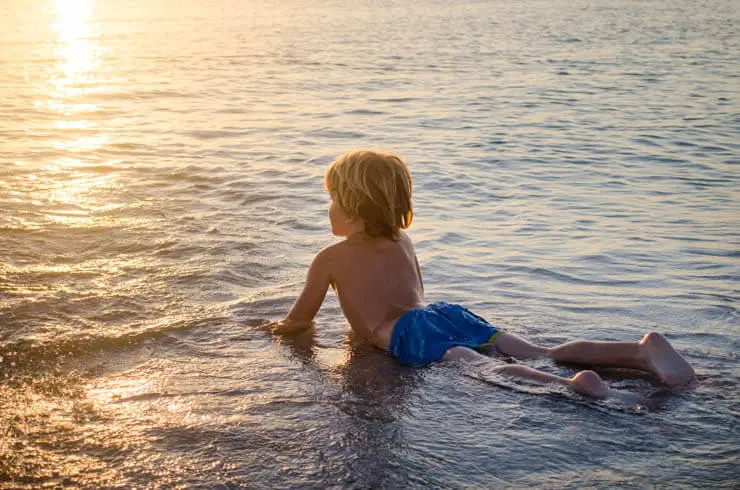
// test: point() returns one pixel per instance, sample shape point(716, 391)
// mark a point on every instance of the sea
point(576, 168)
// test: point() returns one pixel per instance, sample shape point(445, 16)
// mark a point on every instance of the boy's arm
point(300, 316)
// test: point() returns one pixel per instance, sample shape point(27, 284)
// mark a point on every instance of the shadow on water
point(366, 373)
point(373, 395)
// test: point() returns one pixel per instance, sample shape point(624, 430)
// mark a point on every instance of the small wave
point(646, 141)
point(157, 94)
point(256, 198)
point(712, 252)
point(333, 133)
point(213, 134)
point(23, 356)
point(560, 276)
point(364, 112)
point(128, 146)
point(248, 309)
point(395, 100)
point(194, 173)
point(157, 395)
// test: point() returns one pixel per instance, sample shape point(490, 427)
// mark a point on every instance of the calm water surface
point(576, 172)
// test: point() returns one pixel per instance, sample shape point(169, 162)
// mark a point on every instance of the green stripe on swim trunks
point(494, 336)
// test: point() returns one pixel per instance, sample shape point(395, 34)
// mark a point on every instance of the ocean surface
point(577, 175)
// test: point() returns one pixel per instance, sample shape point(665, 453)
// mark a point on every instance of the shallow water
point(576, 175)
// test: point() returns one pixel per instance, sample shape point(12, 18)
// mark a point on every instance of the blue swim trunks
point(424, 335)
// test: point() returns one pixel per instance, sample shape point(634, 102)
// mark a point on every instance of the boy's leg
point(585, 382)
point(652, 354)
point(515, 346)
point(460, 353)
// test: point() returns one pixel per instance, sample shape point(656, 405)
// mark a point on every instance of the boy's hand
point(287, 326)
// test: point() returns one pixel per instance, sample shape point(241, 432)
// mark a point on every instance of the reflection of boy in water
point(377, 278)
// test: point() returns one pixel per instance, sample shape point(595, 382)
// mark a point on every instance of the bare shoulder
point(329, 256)
point(406, 241)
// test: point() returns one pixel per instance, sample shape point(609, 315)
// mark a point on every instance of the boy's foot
point(664, 362)
point(589, 383)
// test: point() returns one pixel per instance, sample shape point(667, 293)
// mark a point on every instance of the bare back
point(377, 280)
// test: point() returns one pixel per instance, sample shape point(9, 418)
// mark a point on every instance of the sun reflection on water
point(70, 194)
point(78, 56)
point(77, 51)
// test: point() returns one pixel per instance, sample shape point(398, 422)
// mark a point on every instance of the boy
point(377, 278)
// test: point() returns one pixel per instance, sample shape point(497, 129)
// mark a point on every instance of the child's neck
point(355, 227)
point(356, 235)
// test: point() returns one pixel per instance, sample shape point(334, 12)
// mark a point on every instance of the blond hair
point(375, 187)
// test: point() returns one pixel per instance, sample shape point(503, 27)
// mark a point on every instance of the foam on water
point(575, 172)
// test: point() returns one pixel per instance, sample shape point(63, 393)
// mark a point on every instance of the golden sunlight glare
point(77, 55)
